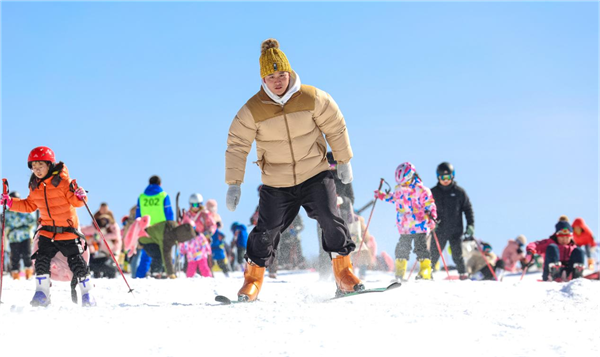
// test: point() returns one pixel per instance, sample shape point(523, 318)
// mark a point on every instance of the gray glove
point(345, 173)
point(233, 197)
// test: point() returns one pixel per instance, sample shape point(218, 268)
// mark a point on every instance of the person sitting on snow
point(563, 259)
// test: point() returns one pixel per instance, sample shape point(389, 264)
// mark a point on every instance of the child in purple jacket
point(563, 259)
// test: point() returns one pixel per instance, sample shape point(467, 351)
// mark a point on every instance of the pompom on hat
point(272, 59)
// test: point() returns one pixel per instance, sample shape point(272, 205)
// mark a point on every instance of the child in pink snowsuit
point(415, 218)
point(198, 249)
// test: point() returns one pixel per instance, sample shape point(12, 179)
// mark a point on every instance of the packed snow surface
point(295, 317)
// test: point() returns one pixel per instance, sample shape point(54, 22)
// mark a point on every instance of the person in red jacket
point(563, 259)
point(52, 193)
point(584, 237)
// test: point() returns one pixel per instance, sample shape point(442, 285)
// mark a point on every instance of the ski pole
point(437, 242)
point(411, 270)
point(370, 216)
point(4, 191)
point(486, 261)
point(74, 187)
point(525, 268)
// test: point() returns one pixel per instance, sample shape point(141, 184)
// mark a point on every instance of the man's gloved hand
point(470, 231)
point(5, 199)
point(345, 173)
point(234, 192)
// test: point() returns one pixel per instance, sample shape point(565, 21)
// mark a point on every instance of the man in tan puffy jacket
point(287, 120)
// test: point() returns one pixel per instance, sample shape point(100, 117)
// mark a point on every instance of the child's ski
point(394, 285)
point(227, 301)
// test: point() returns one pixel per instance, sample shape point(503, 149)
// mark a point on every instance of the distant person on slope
point(584, 237)
point(416, 215)
point(287, 120)
point(156, 203)
point(513, 253)
point(563, 260)
point(452, 201)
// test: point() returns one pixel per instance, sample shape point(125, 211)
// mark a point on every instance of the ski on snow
point(224, 300)
point(392, 286)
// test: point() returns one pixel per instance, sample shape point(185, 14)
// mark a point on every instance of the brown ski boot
point(343, 272)
point(253, 279)
point(28, 273)
point(15, 274)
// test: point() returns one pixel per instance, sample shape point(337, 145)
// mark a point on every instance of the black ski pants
point(154, 251)
point(71, 249)
point(18, 251)
point(405, 244)
point(278, 207)
point(455, 240)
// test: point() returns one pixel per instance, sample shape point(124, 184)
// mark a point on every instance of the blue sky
point(507, 92)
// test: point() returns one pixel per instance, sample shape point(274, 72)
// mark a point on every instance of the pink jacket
point(112, 235)
point(564, 250)
point(134, 233)
point(511, 257)
point(202, 221)
point(412, 202)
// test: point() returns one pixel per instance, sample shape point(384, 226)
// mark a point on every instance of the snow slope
point(295, 317)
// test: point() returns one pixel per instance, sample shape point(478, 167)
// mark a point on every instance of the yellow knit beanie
point(272, 59)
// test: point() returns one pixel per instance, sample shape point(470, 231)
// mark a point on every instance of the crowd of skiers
point(291, 124)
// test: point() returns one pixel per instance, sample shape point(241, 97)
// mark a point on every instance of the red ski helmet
point(41, 153)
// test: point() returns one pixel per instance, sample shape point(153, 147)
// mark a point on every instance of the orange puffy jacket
point(55, 200)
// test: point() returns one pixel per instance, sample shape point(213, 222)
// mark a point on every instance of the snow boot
point(42, 291)
point(343, 273)
point(554, 271)
point(15, 274)
point(425, 269)
point(28, 273)
point(577, 270)
point(87, 299)
point(253, 279)
point(401, 265)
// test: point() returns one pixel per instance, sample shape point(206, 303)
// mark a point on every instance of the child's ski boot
point(401, 265)
point(425, 269)
point(15, 274)
point(42, 291)
point(343, 272)
point(253, 279)
point(87, 299)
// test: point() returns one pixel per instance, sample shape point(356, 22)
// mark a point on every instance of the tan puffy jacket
point(289, 139)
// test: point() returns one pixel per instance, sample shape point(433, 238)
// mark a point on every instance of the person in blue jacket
point(240, 240)
point(156, 203)
point(218, 250)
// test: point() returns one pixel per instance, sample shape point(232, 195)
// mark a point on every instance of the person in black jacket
point(451, 201)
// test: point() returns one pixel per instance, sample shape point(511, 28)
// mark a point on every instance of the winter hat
point(486, 247)
point(521, 239)
point(561, 219)
point(272, 59)
point(563, 228)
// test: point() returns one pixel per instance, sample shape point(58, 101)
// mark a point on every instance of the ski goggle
point(445, 177)
point(564, 233)
point(195, 205)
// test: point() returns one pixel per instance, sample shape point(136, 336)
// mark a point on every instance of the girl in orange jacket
point(52, 193)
